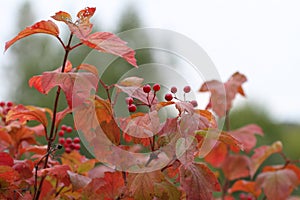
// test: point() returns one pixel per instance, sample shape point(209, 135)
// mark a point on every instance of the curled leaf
point(47, 27)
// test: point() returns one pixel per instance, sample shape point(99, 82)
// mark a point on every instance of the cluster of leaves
point(29, 170)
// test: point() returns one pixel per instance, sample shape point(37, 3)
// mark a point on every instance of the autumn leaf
point(230, 169)
point(277, 185)
point(24, 168)
point(131, 81)
point(28, 113)
point(114, 185)
point(198, 181)
point(78, 181)
point(246, 135)
point(245, 186)
point(217, 155)
point(261, 154)
point(88, 68)
point(62, 16)
point(109, 43)
point(47, 27)
point(222, 94)
point(76, 86)
point(59, 172)
point(6, 159)
point(149, 185)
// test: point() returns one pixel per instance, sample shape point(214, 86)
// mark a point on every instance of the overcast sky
point(260, 38)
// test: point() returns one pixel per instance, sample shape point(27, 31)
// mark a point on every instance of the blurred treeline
point(39, 53)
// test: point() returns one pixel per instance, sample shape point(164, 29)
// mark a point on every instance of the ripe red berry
point(77, 146)
point(68, 150)
point(69, 140)
point(174, 89)
point(9, 104)
point(168, 97)
point(63, 127)
point(61, 141)
point(69, 129)
point(76, 140)
point(194, 103)
point(147, 88)
point(187, 89)
point(2, 104)
point(61, 133)
point(132, 108)
point(129, 100)
point(156, 87)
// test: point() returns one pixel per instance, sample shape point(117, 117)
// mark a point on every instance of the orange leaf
point(78, 181)
point(89, 68)
point(245, 186)
point(217, 155)
point(277, 185)
point(114, 185)
point(261, 154)
point(86, 13)
point(27, 113)
point(62, 16)
point(47, 27)
point(59, 172)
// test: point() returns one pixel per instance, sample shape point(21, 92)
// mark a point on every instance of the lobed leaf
point(47, 27)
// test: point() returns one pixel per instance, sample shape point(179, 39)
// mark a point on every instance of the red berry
point(76, 140)
point(61, 133)
point(77, 146)
point(147, 88)
point(61, 141)
point(132, 108)
point(68, 150)
point(9, 104)
point(168, 97)
point(69, 140)
point(156, 87)
point(187, 89)
point(194, 103)
point(63, 127)
point(72, 146)
point(2, 104)
point(129, 100)
point(69, 129)
point(173, 90)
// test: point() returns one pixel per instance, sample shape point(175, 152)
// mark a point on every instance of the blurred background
point(257, 38)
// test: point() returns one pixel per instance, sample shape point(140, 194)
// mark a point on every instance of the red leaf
point(198, 181)
point(262, 153)
point(86, 13)
point(277, 185)
point(41, 150)
point(217, 155)
point(47, 27)
point(24, 168)
point(230, 169)
point(75, 93)
point(246, 135)
point(109, 43)
point(6, 159)
point(60, 115)
point(62, 16)
point(223, 92)
point(114, 185)
point(27, 113)
point(245, 186)
point(147, 186)
point(59, 172)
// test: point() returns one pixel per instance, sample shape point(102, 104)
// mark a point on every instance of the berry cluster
point(186, 89)
point(5, 108)
point(244, 196)
point(146, 89)
point(69, 143)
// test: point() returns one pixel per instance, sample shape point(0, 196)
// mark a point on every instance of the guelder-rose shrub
point(231, 170)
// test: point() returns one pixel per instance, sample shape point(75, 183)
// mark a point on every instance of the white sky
point(260, 38)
